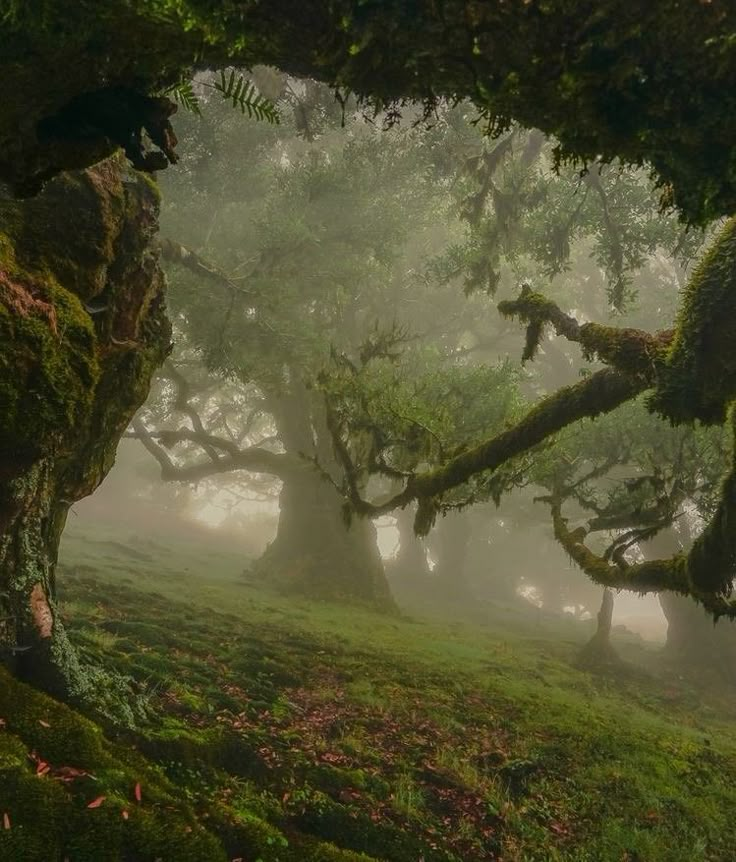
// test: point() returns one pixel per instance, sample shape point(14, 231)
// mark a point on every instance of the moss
point(698, 380)
point(45, 391)
point(600, 393)
point(599, 102)
point(82, 328)
point(50, 820)
point(263, 838)
point(330, 853)
point(358, 832)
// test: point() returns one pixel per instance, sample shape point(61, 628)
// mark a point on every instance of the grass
point(300, 732)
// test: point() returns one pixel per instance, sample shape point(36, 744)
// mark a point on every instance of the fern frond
point(184, 95)
point(243, 94)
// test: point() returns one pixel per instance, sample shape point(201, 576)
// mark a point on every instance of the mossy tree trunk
point(599, 652)
point(82, 327)
point(315, 552)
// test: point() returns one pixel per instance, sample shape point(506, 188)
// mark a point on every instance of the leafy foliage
point(243, 94)
point(184, 95)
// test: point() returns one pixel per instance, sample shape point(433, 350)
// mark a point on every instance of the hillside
point(296, 732)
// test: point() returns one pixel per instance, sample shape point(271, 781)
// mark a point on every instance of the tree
point(82, 325)
point(318, 234)
point(688, 379)
point(640, 489)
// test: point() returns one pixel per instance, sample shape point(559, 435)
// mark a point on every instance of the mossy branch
point(600, 393)
point(631, 351)
point(697, 378)
point(706, 573)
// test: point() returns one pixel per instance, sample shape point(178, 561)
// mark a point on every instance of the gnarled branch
point(252, 458)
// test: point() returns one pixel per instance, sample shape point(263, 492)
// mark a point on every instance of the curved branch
point(254, 458)
point(650, 576)
point(183, 405)
point(630, 351)
point(600, 393)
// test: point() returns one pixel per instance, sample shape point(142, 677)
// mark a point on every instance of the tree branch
point(628, 350)
point(254, 458)
point(705, 575)
point(174, 252)
point(600, 393)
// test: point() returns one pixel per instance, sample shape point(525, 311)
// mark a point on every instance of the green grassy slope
point(297, 732)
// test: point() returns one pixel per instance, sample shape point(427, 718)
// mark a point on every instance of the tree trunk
point(692, 637)
point(82, 327)
point(449, 546)
point(598, 652)
point(410, 564)
point(315, 552)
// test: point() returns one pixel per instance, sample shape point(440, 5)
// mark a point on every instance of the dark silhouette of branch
point(252, 458)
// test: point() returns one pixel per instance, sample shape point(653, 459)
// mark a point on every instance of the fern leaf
point(184, 95)
point(243, 94)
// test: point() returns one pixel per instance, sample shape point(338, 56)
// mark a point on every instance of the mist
point(367, 472)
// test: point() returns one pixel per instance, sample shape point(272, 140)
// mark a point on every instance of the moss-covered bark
point(698, 379)
point(82, 327)
point(649, 82)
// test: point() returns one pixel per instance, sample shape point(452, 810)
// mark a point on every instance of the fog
point(416, 548)
point(335, 303)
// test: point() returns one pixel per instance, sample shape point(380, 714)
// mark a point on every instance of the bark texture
point(315, 552)
point(82, 327)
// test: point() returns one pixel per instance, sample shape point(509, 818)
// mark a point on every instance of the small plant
point(408, 797)
point(234, 88)
point(183, 94)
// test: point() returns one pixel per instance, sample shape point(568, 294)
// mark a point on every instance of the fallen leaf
point(6, 820)
point(42, 767)
point(138, 791)
point(95, 803)
point(69, 773)
point(43, 723)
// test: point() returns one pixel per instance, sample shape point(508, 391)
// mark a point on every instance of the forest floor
point(308, 732)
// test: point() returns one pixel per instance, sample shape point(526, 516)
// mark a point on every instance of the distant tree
point(631, 483)
point(317, 234)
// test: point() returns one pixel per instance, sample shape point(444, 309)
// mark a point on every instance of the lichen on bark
point(82, 327)
point(698, 378)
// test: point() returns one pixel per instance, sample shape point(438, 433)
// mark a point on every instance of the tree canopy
point(650, 84)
